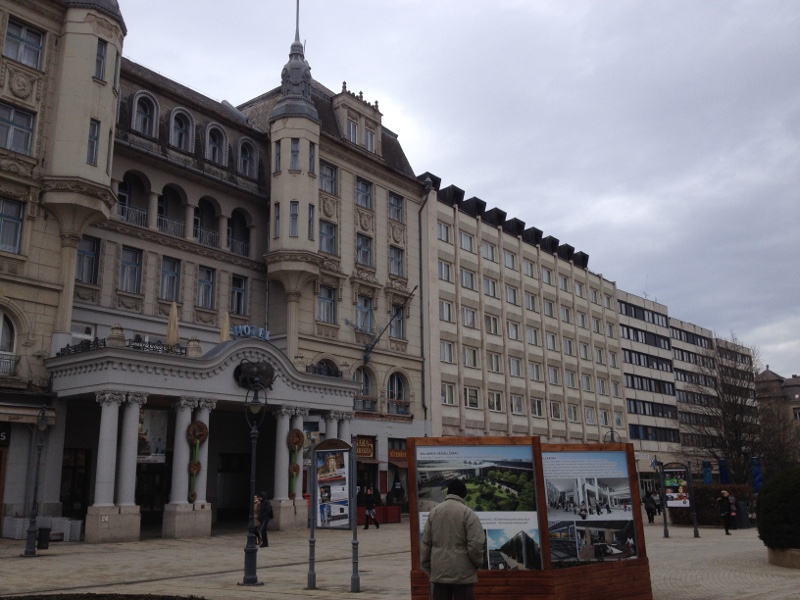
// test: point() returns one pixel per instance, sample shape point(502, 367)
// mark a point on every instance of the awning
point(399, 463)
point(24, 414)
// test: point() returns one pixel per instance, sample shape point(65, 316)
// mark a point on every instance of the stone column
point(297, 423)
point(281, 475)
point(189, 222)
point(180, 451)
point(293, 298)
point(332, 426)
point(107, 447)
point(344, 427)
point(222, 229)
point(152, 210)
point(204, 409)
point(128, 449)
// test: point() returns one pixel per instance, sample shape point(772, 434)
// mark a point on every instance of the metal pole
point(30, 543)
point(251, 550)
point(690, 481)
point(355, 582)
point(312, 576)
point(664, 498)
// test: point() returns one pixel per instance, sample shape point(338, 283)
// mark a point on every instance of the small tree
point(777, 517)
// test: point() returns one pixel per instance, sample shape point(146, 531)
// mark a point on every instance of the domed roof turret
point(108, 7)
point(295, 84)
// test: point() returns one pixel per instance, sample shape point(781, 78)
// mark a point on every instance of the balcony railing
point(171, 227)
point(136, 216)
point(206, 237)
point(8, 364)
point(134, 344)
point(399, 407)
point(240, 247)
point(365, 403)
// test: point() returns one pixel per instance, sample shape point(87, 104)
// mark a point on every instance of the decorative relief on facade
point(329, 207)
point(131, 303)
point(398, 234)
point(17, 167)
point(331, 264)
point(364, 274)
point(327, 331)
point(137, 397)
point(103, 27)
point(186, 402)
point(21, 85)
point(79, 187)
point(87, 294)
point(398, 345)
point(205, 317)
point(365, 220)
point(109, 396)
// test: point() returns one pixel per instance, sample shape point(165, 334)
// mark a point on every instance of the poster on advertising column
point(500, 489)
point(333, 484)
point(590, 515)
point(676, 487)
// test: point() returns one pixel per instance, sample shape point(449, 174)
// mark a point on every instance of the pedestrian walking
point(452, 546)
point(727, 509)
point(650, 507)
point(370, 502)
point(265, 514)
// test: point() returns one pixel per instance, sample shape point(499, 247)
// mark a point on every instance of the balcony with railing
point(171, 227)
point(240, 247)
point(365, 403)
point(8, 365)
point(135, 216)
point(206, 237)
point(399, 407)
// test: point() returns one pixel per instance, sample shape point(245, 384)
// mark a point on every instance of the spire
point(295, 82)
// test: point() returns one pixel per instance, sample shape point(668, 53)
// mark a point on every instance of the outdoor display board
point(676, 487)
point(559, 519)
point(333, 484)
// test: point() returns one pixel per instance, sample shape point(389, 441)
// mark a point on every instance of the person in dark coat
point(370, 502)
point(264, 515)
point(727, 508)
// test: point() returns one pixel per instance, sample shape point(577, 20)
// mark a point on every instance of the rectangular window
point(294, 216)
point(492, 324)
point(277, 168)
point(554, 375)
point(549, 309)
point(444, 232)
point(530, 302)
point(547, 276)
point(16, 129)
point(604, 420)
point(446, 352)
point(205, 288)
point(468, 317)
point(311, 221)
point(555, 411)
point(238, 295)
point(352, 131)
point(312, 157)
point(364, 250)
point(597, 325)
point(24, 44)
point(276, 226)
point(170, 279)
point(573, 413)
point(512, 295)
point(612, 359)
point(493, 362)
point(445, 271)
point(369, 140)
point(569, 347)
point(584, 350)
point(566, 314)
point(594, 296)
point(563, 282)
point(582, 320)
point(615, 391)
point(588, 415)
point(327, 178)
point(294, 164)
point(448, 394)
point(100, 59)
point(537, 407)
point(617, 418)
point(396, 261)
point(514, 366)
point(608, 301)
point(586, 383)
point(495, 401)
point(570, 379)
point(11, 219)
point(598, 356)
point(517, 404)
point(130, 276)
point(470, 357)
point(397, 327)
point(489, 251)
point(397, 209)
point(529, 268)
point(513, 330)
point(363, 193)
point(602, 386)
point(466, 241)
point(551, 341)
point(467, 279)
point(364, 314)
point(534, 371)
point(87, 261)
point(327, 237)
point(510, 260)
point(471, 398)
point(446, 311)
point(532, 335)
point(579, 290)
point(490, 286)
point(94, 142)
point(610, 330)
point(326, 305)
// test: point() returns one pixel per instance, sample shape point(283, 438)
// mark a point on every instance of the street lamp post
point(41, 427)
point(256, 377)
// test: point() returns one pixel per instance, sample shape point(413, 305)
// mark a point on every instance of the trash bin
point(43, 538)
point(742, 518)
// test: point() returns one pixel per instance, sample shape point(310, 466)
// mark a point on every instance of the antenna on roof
point(647, 277)
point(297, 27)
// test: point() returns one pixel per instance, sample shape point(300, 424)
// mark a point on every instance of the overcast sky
point(662, 138)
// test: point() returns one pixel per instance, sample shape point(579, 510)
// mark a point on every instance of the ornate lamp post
point(41, 427)
point(256, 378)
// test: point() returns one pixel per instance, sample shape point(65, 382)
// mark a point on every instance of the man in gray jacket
point(452, 546)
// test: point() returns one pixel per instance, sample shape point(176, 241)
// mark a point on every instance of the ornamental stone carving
point(138, 398)
point(329, 207)
point(21, 85)
point(109, 396)
point(365, 221)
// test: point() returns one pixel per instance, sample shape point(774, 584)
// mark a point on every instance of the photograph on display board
point(333, 484)
point(676, 488)
point(500, 489)
point(590, 514)
point(152, 443)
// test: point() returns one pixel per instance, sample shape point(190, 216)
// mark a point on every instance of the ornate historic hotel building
point(153, 240)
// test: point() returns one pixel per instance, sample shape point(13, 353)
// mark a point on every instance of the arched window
point(363, 377)
point(8, 361)
point(216, 145)
point(396, 390)
point(180, 132)
point(144, 116)
point(247, 160)
point(326, 368)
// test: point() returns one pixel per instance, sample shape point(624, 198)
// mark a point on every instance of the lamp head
point(41, 420)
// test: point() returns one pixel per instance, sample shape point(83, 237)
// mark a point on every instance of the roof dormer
point(359, 120)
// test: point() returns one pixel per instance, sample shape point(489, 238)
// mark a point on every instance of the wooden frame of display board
point(553, 552)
